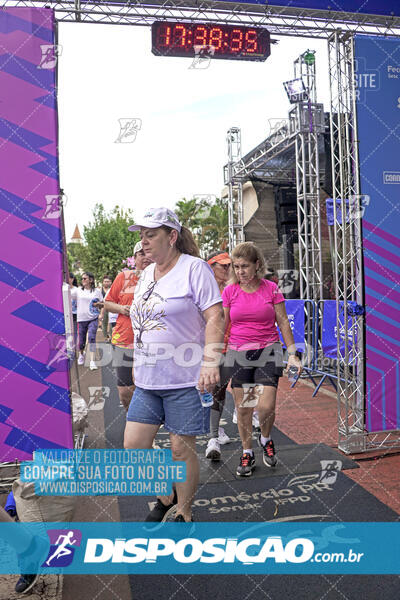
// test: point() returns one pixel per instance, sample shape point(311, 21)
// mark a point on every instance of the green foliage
point(107, 242)
point(207, 220)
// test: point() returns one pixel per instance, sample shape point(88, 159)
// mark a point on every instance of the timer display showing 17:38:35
point(170, 38)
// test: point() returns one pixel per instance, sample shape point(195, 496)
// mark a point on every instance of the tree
point(207, 220)
point(215, 228)
point(107, 241)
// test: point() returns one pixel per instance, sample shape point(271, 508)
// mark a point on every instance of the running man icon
point(62, 542)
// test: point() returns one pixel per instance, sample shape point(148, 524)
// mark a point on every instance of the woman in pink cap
point(177, 320)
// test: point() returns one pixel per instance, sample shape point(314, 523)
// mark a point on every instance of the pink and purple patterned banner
point(35, 409)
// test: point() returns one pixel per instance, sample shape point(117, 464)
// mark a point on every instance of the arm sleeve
point(74, 293)
point(205, 291)
point(114, 291)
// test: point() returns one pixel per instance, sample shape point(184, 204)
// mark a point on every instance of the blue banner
point(295, 312)
point(369, 7)
point(200, 548)
point(378, 112)
point(329, 329)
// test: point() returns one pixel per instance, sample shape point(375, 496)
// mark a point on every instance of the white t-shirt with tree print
point(168, 324)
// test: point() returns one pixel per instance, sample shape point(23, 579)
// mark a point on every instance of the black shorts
point(123, 363)
point(263, 366)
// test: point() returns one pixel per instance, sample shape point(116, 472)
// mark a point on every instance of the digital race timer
point(237, 42)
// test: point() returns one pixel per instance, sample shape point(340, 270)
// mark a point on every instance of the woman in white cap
point(118, 300)
point(177, 318)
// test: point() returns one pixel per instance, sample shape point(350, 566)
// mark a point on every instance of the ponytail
point(185, 242)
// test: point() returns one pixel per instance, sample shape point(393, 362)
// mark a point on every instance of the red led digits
point(200, 36)
point(180, 36)
point(237, 40)
point(251, 41)
point(215, 38)
point(164, 36)
point(234, 42)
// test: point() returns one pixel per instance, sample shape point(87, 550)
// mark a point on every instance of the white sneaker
point(222, 437)
point(256, 422)
point(93, 366)
point(213, 451)
point(234, 416)
point(81, 359)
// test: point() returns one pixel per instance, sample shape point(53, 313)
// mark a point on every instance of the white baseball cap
point(137, 248)
point(156, 217)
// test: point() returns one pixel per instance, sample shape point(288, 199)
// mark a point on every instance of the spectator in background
point(89, 302)
point(104, 316)
point(118, 301)
point(220, 263)
point(74, 283)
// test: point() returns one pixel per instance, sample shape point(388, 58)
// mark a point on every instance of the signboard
point(34, 405)
point(378, 111)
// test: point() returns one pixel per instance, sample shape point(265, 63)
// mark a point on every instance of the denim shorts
point(180, 410)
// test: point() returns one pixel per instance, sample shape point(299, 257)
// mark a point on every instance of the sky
point(107, 73)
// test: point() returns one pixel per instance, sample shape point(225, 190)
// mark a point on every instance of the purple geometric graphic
point(35, 406)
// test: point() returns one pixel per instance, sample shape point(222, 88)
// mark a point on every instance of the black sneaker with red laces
point(247, 465)
point(269, 458)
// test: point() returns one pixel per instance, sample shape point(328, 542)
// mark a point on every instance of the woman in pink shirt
point(252, 307)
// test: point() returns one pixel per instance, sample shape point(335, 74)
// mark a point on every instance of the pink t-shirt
point(253, 323)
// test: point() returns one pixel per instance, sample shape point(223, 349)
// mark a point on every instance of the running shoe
point(93, 366)
point(159, 513)
point(25, 583)
point(213, 451)
point(269, 457)
point(81, 359)
point(247, 465)
point(29, 562)
point(255, 420)
point(223, 438)
point(234, 416)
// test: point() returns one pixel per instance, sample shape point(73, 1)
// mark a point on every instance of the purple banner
point(378, 110)
point(34, 406)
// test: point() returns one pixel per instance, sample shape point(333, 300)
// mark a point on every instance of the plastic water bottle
point(292, 374)
point(207, 399)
